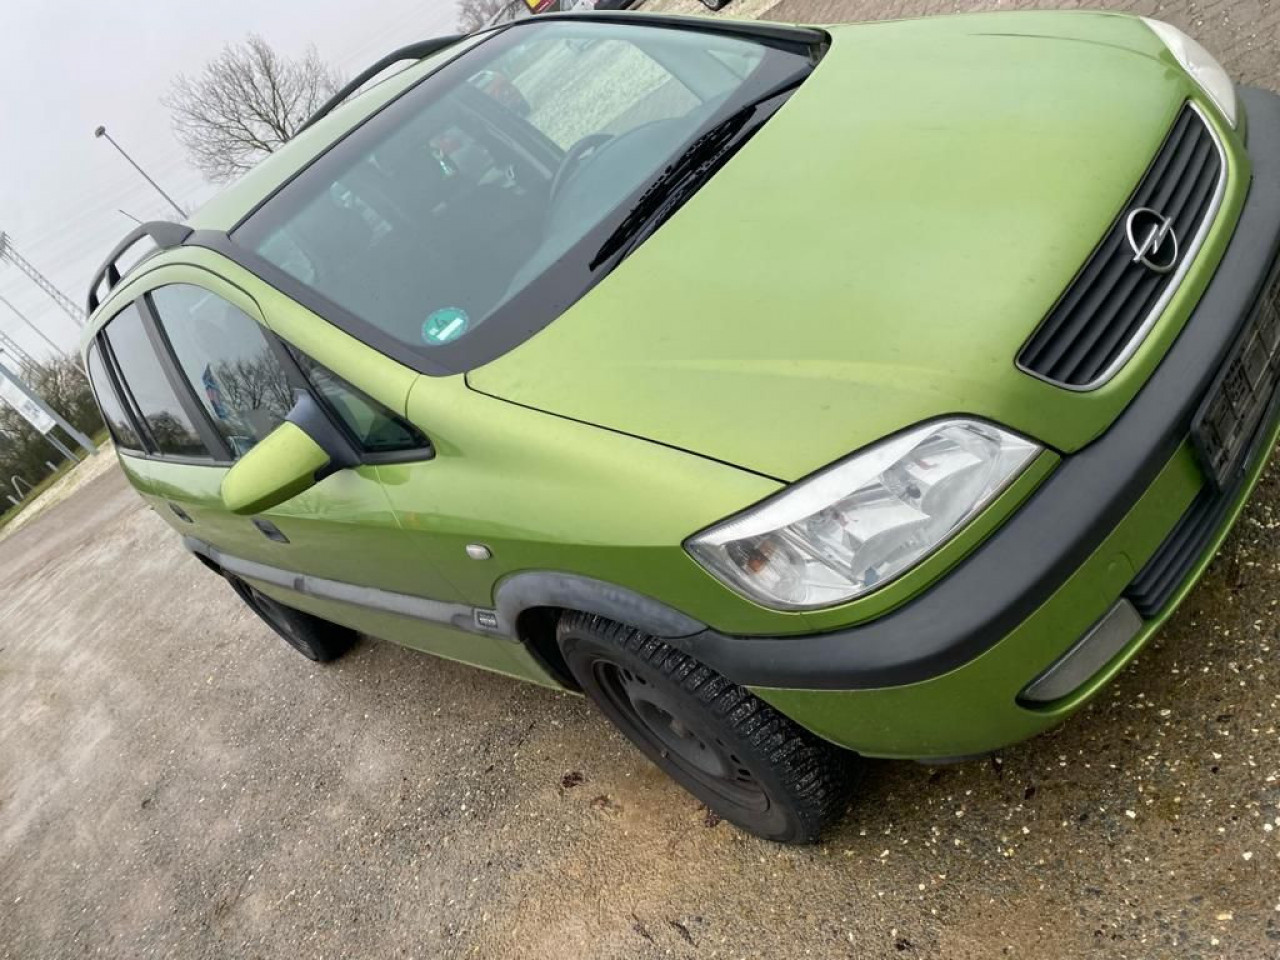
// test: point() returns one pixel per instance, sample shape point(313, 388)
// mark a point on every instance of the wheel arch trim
point(568, 591)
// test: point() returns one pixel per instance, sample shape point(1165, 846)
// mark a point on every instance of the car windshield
point(469, 209)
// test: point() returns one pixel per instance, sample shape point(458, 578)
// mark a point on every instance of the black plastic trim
point(457, 615)
point(568, 591)
point(183, 389)
point(1019, 567)
point(99, 343)
point(1168, 568)
point(310, 417)
point(123, 390)
point(163, 234)
point(785, 35)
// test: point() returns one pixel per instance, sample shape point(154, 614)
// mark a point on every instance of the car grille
point(1113, 302)
point(1226, 434)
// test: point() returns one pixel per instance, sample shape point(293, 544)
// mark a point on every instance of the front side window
point(226, 358)
point(470, 211)
point(153, 395)
point(122, 430)
point(374, 428)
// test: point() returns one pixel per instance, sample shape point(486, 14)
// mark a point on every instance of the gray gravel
point(175, 782)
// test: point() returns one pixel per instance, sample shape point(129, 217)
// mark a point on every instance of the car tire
point(715, 4)
point(745, 761)
point(316, 639)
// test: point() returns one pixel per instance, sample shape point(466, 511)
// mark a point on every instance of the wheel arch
point(529, 605)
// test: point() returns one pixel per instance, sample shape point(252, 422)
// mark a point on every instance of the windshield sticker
point(445, 325)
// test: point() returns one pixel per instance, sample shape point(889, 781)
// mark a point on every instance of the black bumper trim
point(1172, 563)
point(1020, 566)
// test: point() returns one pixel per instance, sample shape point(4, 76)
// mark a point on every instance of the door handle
point(269, 530)
point(180, 513)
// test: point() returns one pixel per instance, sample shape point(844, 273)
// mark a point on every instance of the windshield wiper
point(681, 179)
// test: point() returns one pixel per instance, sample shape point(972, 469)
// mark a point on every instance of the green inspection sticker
point(445, 325)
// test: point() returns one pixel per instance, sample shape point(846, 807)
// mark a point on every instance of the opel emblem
point(1154, 243)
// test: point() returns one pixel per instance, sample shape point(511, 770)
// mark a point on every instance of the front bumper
point(941, 675)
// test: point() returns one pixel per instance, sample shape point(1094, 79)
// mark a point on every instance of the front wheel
point(744, 760)
point(715, 4)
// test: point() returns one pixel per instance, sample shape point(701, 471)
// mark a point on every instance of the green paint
point(973, 709)
point(278, 469)
point(873, 258)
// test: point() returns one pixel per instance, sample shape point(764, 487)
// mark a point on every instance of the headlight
point(1202, 66)
point(857, 525)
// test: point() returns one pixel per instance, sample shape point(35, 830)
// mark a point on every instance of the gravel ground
point(175, 782)
point(94, 466)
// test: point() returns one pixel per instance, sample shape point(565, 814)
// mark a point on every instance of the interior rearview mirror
point(292, 458)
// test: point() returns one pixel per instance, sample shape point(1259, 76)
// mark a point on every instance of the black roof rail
point(161, 232)
point(414, 51)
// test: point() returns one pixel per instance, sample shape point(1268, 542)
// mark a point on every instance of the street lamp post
point(102, 132)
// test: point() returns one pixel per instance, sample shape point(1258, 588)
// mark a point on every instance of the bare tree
point(245, 104)
point(255, 383)
point(474, 14)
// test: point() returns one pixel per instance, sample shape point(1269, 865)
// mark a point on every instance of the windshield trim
point(785, 35)
point(781, 71)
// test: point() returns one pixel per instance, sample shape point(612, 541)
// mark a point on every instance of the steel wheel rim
point(652, 718)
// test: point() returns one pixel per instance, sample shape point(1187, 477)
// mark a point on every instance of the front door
point(226, 386)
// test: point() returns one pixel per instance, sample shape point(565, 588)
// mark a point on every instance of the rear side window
point(153, 395)
point(118, 422)
point(225, 356)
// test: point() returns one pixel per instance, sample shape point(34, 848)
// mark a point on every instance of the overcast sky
point(68, 65)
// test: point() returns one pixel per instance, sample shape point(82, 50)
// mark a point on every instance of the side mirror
point(293, 457)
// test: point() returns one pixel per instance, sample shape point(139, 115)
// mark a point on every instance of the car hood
point(877, 253)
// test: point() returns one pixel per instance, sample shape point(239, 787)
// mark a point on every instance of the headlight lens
point(857, 525)
point(1202, 66)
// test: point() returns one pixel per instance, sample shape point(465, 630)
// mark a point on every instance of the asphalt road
point(175, 782)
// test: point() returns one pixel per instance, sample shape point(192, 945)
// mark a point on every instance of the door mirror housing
point(294, 457)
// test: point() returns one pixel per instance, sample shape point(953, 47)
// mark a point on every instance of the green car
point(791, 392)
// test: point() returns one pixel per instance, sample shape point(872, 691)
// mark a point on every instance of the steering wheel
point(572, 157)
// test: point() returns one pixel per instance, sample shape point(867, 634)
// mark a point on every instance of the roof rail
point(414, 51)
point(161, 232)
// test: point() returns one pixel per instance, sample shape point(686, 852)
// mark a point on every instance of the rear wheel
point(314, 638)
point(744, 760)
